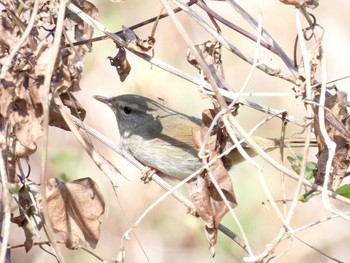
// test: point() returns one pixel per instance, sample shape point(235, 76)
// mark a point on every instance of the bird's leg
point(191, 210)
point(147, 173)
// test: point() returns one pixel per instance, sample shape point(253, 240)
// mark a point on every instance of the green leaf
point(344, 190)
point(296, 165)
point(290, 159)
point(299, 157)
point(309, 171)
point(296, 168)
point(307, 196)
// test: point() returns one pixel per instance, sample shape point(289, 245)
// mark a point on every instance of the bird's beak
point(104, 100)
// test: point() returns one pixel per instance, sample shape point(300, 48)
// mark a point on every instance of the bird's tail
point(267, 144)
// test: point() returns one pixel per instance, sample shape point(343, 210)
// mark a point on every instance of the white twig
point(5, 195)
point(46, 102)
point(309, 115)
point(257, 49)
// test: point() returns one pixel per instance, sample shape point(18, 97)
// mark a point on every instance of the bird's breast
point(172, 158)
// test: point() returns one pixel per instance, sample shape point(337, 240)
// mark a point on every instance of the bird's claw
point(147, 174)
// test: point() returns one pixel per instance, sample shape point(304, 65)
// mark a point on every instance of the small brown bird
point(161, 138)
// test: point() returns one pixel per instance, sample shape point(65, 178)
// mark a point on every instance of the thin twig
point(257, 52)
point(35, 244)
point(318, 250)
point(308, 116)
point(302, 228)
point(45, 103)
point(5, 195)
point(93, 254)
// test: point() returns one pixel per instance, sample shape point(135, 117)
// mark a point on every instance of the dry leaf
point(146, 44)
point(74, 210)
point(211, 53)
point(20, 114)
point(12, 170)
point(135, 43)
point(82, 30)
point(299, 3)
point(29, 218)
point(21, 86)
point(207, 201)
point(43, 58)
point(338, 128)
point(74, 106)
point(121, 63)
point(70, 69)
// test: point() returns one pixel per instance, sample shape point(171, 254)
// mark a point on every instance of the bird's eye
point(127, 110)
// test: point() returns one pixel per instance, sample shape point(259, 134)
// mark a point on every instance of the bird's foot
point(192, 211)
point(147, 174)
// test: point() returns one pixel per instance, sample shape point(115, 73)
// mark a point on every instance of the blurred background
point(168, 234)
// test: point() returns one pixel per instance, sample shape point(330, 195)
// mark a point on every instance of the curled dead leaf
point(211, 52)
point(82, 31)
point(338, 128)
point(74, 210)
point(21, 108)
point(208, 202)
point(12, 174)
point(76, 109)
point(299, 3)
point(29, 219)
point(135, 43)
point(121, 63)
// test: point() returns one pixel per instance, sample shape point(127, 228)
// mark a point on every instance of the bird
point(162, 138)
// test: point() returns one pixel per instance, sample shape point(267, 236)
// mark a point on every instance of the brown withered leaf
point(74, 210)
point(121, 63)
point(12, 174)
point(338, 128)
point(7, 36)
point(145, 45)
point(70, 69)
point(211, 52)
point(299, 3)
point(18, 112)
point(207, 201)
point(43, 57)
point(76, 109)
point(23, 119)
point(82, 30)
point(28, 218)
point(21, 110)
point(135, 43)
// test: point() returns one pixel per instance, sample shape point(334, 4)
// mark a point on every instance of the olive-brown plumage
point(156, 135)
